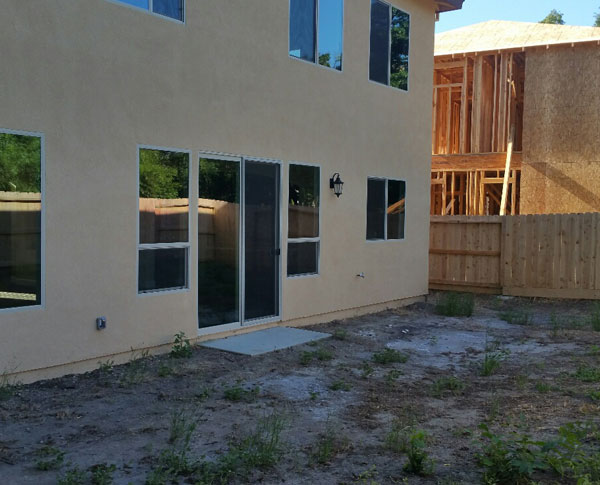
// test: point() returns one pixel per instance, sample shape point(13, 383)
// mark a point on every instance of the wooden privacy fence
point(556, 255)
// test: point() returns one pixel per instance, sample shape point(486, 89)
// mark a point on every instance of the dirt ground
point(335, 404)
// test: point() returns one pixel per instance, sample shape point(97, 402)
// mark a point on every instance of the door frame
point(242, 323)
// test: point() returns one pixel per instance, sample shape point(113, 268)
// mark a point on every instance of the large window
point(386, 209)
point(164, 217)
point(169, 8)
point(316, 31)
point(21, 208)
point(303, 220)
point(390, 33)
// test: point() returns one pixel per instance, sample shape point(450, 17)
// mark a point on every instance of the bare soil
point(123, 416)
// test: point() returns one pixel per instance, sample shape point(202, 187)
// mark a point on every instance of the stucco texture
point(561, 142)
point(98, 78)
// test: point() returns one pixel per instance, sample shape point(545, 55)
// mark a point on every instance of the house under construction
point(516, 117)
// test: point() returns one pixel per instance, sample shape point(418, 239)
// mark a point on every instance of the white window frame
point(304, 239)
point(42, 304)
point(316, 53)
point(389, 80)
point(178, 245)
point(150, 11)
point(385, 223)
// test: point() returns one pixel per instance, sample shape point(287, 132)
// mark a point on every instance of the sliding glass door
point(238, 241)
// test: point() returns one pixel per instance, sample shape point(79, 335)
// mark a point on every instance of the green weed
point(392, 376)
point(517, 317)
point(340, 334)
point(455, 305)
point(340, 385)
point(368, 477)
point(367, 370)
point(594, 395)
point(329, 445)
point(595, 317)
point(164, 370)
point(182, 349)
point(135, 370)
point(588, 374)
point(447, 385)
point(306, 358)
point(8, 386)
point(542, 387)
point(238, 393)
point(106, 367)
point(102, 474)
point(50, 458)
point(73, 476)
point(397, 439)
point(389, 356)
point(491, 363)
point(419, 462)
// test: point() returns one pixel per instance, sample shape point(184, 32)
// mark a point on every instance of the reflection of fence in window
point(218, 231)
point(20, 248)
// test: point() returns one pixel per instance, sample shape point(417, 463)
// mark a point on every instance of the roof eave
point(448, 5)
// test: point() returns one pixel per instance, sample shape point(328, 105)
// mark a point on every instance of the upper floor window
point(168, 8)
point(316, 31)
point(390, 32)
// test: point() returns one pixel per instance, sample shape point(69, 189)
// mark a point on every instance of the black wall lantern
point(335, 183)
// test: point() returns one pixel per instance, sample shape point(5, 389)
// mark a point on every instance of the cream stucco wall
point(99, 78)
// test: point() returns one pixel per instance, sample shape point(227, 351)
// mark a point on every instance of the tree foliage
point(164, 175)
point(399, 50)
point(554, 17)
point(597, 19)
point(20, 163)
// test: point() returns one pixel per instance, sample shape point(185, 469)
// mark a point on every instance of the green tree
point(554, 17)
point(164, 175)
point(597, 19)
point(20, 163)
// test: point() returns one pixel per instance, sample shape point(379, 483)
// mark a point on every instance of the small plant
point(50, 458)
point(8, 386)
point(306, 358)
point(397, 439)
point(102, 474)
point(164, 370)
point(340, 385)
point(181, 426)
point(491, 362)
point(367, 370)
point(392, 376)
point(595, 317)
point(455, 305)
point(389, 356)
point(73, 476)
point(594, 395)
point(329, 445)
point(323, 354)
point(314, 395)
point(554, 322)
point(203, 394)
point(368, 477)
point(106, 367)
point(510, 459)
point(182, 349)
point(516, 317)
point(594, 350)
point(588, 374)
point(542, 387)
point(447, 385)
point(340, 334)
point(419, 462)
point(135, 370)
point(238, 393)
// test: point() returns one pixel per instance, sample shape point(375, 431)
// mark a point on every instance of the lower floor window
point(386, 209)
point(161, 269)
point(303, 258)
point(21, 207)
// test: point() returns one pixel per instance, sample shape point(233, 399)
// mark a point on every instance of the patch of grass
point(340, 385)
point(102, 474)
point(306, 357)
point(238, 393)
point(203, 394)
point(50, 458)
point(594, 350)
point(555, 324)
point(73, 476)
point(491, 363)
point(392, 376)
point(323, 354)
point(135, 370)
point(389, 356)
point(397, 439)
point(455, 305)
point(368, 476)
point(367, 370)
point(340, 334)
point(106, 367)
point(447, 385)
point(181, 349)
point(165, 370)
point(595, 317)
point(586, 373)
point(594, 395)
point(181, 426)
point(329, 445)
point(314, 395)
point(419, 462)
point(8, 386)
point(516, 316)
point(542, 387)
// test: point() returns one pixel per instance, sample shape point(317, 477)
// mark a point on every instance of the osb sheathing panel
point(561, 137)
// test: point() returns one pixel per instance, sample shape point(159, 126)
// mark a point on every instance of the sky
point(576, 12)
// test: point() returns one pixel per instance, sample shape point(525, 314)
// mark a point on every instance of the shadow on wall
point(545, 201)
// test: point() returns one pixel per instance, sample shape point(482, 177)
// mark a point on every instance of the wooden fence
point(555, 255)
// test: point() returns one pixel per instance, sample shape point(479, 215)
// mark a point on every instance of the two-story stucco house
point(176, 166)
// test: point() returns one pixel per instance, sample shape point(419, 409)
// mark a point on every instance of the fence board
point(555, 255)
